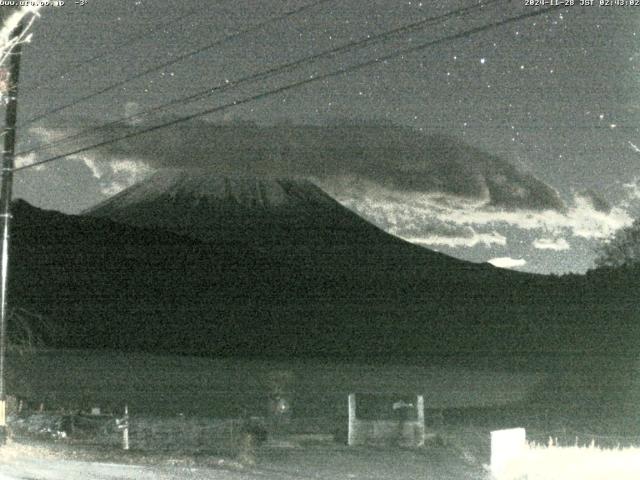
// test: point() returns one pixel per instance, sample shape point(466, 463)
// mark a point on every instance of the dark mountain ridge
point(309, 278)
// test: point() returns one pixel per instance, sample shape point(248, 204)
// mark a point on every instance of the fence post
point(351, 436)
point(421, 428)
point(125, 429)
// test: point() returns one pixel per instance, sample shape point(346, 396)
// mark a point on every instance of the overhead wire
point(306, 81)
point(370, 39)
point(127, 43)
point(173, 61)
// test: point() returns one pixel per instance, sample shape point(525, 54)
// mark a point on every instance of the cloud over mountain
point(439, 219)
point(556, 244)
point(597, 201)
point(395, 158)
point(507, 262)
point(432, 190)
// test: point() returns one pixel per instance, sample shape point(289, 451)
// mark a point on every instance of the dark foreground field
point(228, 388)
point(195, 411)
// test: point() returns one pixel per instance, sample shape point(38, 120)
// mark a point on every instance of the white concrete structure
point(408, 433)
point(506, 447)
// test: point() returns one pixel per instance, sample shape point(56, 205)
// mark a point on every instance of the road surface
point(23, 462)
point(45, 469)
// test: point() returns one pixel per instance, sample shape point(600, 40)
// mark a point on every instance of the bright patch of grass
point(552, 462)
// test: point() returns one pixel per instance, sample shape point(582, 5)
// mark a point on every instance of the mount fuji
point(195, 263)
point(289, 221)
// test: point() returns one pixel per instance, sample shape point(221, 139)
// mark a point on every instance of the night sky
point(555, 95)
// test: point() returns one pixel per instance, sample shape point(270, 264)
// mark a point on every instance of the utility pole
point(5, 212)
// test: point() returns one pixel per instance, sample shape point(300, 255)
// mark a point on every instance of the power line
point(173, 61)
point(120, 46)
point(269, 72)
point(306, 81)
point(282, 89)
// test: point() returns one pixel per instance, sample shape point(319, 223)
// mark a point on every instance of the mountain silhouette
point(193, 263)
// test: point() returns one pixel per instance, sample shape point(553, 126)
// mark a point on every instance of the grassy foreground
point(229, 388)
point(192, 408)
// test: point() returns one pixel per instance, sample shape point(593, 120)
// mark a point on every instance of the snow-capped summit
point(194, 187)
point(203, 205)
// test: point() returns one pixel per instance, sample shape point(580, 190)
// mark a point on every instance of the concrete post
point(421, 429)
point(351, 436)
point(125, 429)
